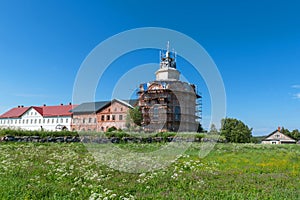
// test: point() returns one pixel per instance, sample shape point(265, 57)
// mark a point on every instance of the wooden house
point(277, 137)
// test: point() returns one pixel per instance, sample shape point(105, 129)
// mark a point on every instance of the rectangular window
point(67, 120)
point(113, 117)
point(155, 113)
point(43, 121)
point(102, 117)
point(90, 120)
point(177, 113)
point(61, 120)
point(31, 121)
point(107, 117)
point(95, 120)
point(83, 120)
point(40, 121)
point(35, 121)
point(120, 117)
point(57, 120)
point(52, 121)
point(26, 121)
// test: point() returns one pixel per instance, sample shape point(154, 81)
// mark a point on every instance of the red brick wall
point(105, 118)
point(110, 116)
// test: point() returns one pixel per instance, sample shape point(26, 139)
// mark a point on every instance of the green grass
point(230, 171)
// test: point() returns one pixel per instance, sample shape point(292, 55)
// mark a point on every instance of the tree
point(235, 131)
point(285, 131)
point(200, 128)
point(295, 134)
point(213, 130)
point(136, 115)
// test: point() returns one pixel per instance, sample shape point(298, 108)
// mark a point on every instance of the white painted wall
point(33, 120)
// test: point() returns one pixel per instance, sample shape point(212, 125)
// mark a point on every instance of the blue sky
point(255, 45)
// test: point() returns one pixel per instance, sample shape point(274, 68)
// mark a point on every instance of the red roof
point(64, 110)
point(45, 111)
point(15, 112)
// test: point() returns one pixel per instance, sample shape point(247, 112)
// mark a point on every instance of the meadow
point(229, 171)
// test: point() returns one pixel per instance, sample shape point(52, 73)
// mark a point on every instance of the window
point(83, 120)
point(31, 121)
point(95, 120)
point(48, 121)
point(107, 117)
point(23, 121)
point(120, 117)
point(102, 117)
point(121, 109)
point(177, 113)
point(67, 120)
point(61, 120)
point(115, 109)
point(90, 120)
point(35, 121)
point(35, 113)
point(43, 121)
point(155, 112)
point(52, 121)
point(40, 121)
point(26, 121)
point(56, 120)
point(113, 117)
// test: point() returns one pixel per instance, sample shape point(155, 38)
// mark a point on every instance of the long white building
point(50, 118)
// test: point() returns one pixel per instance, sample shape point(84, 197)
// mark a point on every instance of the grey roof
point(93, 107)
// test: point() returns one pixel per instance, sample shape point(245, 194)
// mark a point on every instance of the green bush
point(111, 129)
point(19, 132)
point(116, 134)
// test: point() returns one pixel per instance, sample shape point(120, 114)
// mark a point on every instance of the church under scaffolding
point(168, 104)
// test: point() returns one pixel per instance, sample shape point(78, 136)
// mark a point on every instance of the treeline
point(236, 131)
point(295, 134)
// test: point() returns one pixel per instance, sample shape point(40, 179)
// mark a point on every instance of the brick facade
point(113, 115)
point(107, 114)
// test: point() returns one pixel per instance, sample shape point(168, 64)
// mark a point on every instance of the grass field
point(230, 171)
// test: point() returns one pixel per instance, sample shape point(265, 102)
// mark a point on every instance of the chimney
point(22, 106)
point(61, 104)
point(44, 105)
point(18, 106)
point(70, 103)
point(279, 128)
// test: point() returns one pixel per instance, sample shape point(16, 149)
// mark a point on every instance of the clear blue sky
point(255, 45)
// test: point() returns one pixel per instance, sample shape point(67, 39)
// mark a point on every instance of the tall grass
point(230, 171)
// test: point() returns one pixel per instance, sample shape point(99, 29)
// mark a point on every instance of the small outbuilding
point(277, 137)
